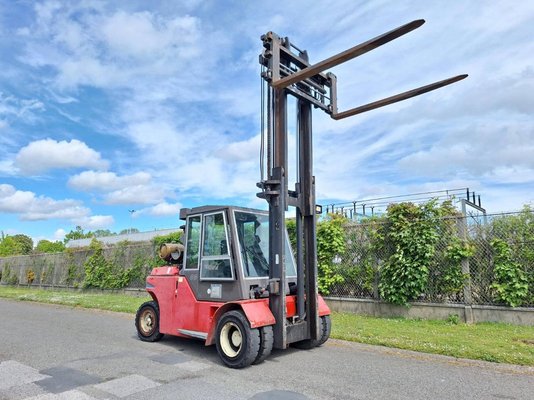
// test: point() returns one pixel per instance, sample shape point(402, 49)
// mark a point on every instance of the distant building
point(130, 237)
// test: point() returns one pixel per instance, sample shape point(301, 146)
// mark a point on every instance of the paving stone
point(122, 387)
point(190, 389)
point(21, 392)
point(13, 373)
point(279, 395)
point(69, 395)
point(63, 379)
point(170, 358)
point(193, 366)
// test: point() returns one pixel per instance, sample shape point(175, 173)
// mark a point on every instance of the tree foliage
point(76, 234)
point(510, 283)
point(16, 245)
point(103, 233)
point(128, 230)
point(102, 273)
point(46, 246)
point(411, 233)
point(330, 245)
point(173, 237)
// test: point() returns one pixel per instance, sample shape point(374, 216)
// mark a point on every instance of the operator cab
point(227, 253)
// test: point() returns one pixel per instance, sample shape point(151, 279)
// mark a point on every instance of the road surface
point(52, 352)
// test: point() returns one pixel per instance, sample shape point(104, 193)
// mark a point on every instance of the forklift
point(235, 282)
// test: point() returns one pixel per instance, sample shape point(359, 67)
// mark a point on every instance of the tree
point(16, 245)
point(8, 247)
point(46, 246)
point(129, 230)
point(24, 242)
point(103, 233)
point(78, 233)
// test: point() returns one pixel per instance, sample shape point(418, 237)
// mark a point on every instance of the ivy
point(8, 276)
point(510, 282)
point(102, 273)
point(330, 245)
point(452, 279)
point(411, 233)
point(173, 237)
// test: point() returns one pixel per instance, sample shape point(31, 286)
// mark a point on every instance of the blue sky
point(107, 107)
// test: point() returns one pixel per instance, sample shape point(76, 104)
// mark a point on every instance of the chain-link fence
point(462, 267)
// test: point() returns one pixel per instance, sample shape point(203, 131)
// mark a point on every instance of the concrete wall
point(469, 314)
point(67, 268)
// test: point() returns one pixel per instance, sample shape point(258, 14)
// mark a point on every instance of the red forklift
point(236, 282)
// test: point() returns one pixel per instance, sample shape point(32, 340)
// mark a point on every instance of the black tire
point(266, 344)
point(326, 326)
point(238, 345)
point(147, 322)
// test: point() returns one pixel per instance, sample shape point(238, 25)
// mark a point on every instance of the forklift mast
point(286, 71)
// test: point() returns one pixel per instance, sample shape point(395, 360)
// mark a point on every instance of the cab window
point(216, 262)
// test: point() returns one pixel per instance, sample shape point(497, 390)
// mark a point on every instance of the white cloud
point(163, 209)
point(127, 189)
point(245, 150)
point(42, 155)
point(143, 34)
point(59, 234)
point(107, 181)
point(95, 222)
point(30, 207)
point(93, 44)
point(475, 150)
point(13, 108)
point(138, 194)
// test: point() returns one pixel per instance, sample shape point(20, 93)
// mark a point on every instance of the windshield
point(253, 233)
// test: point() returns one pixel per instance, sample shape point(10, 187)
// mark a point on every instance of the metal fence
point(467, 281)
point(359, 266)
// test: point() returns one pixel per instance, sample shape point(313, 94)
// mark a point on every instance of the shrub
point(411, 231)
point(510, 282)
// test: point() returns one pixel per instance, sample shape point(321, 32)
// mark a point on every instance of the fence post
point(376, 280)
point(468, 296)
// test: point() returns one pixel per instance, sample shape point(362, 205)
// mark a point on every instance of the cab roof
point(184, 212)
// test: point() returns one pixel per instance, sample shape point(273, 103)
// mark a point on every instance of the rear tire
point(238, 345)
point(266, 344)
point(147, 322)
point(325, 328)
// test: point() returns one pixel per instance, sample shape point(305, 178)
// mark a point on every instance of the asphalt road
point(51, 352)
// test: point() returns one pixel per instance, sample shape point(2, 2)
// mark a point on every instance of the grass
point(101, 301)
point(502, 343)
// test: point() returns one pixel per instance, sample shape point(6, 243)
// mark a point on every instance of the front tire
point(238, 345)
point(325, 328)
point(147, 322)
point(266, 343)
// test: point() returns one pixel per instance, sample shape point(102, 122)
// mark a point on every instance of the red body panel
point(180, 310)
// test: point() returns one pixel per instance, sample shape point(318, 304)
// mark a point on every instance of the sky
point(108, 107)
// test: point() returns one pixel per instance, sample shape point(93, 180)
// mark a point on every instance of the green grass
point(502, 343)
point(101, 301)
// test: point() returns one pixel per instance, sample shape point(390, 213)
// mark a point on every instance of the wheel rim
point(147, 322)
point(231, 339)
